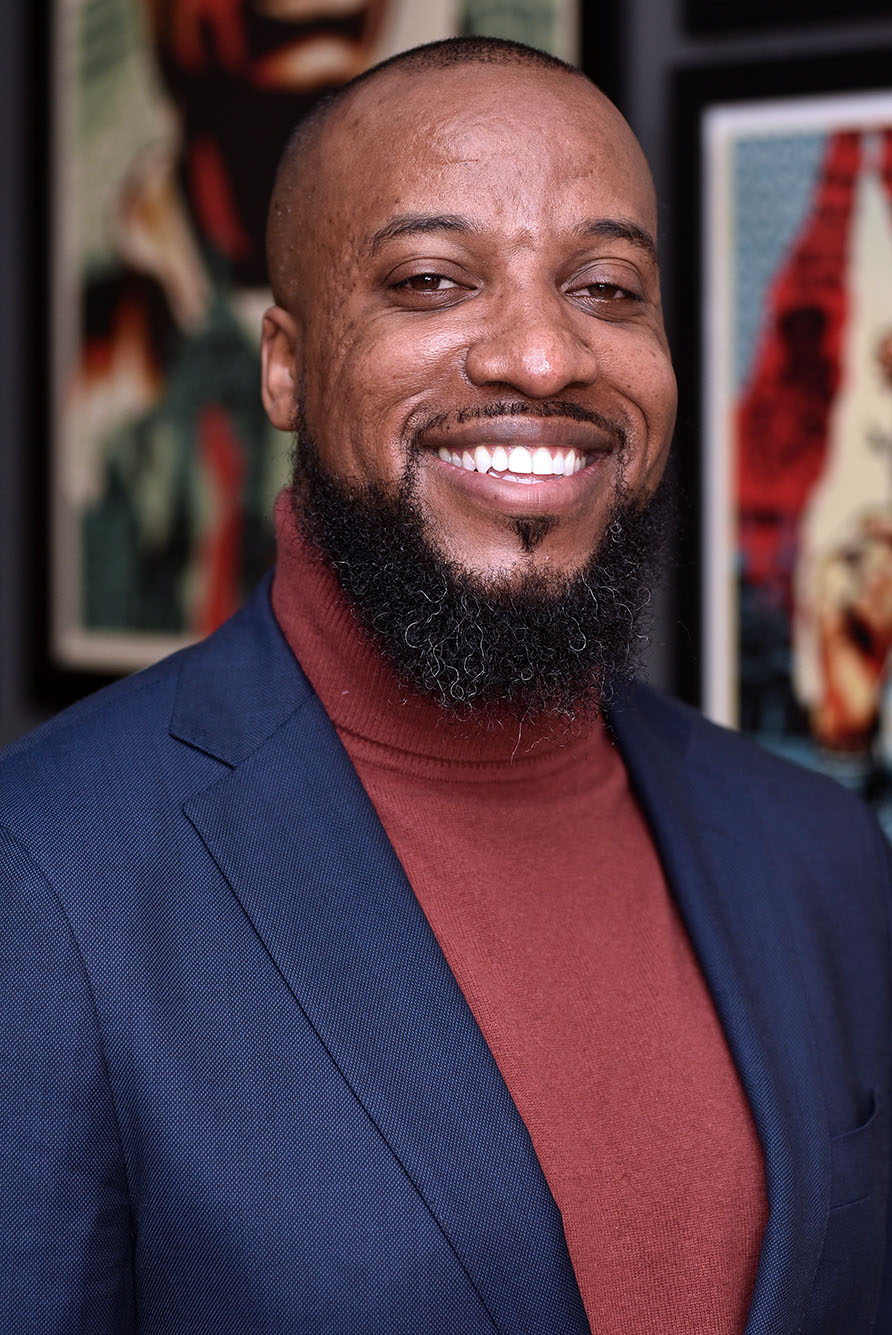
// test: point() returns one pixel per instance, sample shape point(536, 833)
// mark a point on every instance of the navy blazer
point(242, 1092)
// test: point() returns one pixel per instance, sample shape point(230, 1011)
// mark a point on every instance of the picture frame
point(155, 491)
point(782, 250)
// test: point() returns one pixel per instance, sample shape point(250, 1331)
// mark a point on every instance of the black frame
point(727, 16)
point(603, 47)
point(51, 686)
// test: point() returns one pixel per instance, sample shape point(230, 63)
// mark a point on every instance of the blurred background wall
point(636, 48)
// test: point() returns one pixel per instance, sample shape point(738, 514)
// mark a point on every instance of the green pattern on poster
point(532, 21)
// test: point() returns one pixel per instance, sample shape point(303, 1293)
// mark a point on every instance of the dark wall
point(19, 169)
point(652, 46)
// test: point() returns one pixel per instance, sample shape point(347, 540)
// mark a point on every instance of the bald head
point(297, 185)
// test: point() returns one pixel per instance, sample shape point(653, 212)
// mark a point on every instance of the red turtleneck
point(538, 875)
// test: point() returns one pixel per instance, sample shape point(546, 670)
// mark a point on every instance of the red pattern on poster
point(223, 460)
point(196, 25)
point(214, 201)
point(783, 412)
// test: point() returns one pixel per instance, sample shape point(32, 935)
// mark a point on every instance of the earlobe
point(279, 349)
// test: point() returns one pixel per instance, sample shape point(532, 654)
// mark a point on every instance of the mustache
point(479, 412)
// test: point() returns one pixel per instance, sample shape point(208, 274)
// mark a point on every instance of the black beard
point(529, 646)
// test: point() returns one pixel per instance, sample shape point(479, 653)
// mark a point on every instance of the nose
point(533, 345)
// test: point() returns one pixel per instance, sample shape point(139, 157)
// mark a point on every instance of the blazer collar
point(328, 897)
point(718, 857)
point(239, 685)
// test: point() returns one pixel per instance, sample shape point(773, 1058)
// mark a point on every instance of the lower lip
point(515, 493)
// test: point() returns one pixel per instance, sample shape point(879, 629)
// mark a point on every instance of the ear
point(279, 348)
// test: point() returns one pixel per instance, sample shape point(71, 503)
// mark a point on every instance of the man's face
point(478, 313)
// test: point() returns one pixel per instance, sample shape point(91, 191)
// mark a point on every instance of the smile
point(517, 463)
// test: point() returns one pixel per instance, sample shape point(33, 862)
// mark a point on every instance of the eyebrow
point(620, 229)
point(415, 224)
point(412, 224)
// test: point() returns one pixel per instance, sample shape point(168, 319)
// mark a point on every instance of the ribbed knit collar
point(364, 698)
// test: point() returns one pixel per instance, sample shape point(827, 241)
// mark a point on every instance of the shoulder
point(118, 718)
point(756, 838)
point(709, 745)
point(99, 784)
point(130, 755)
point(741, 784)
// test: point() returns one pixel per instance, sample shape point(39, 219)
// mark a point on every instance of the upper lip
point(533, 432)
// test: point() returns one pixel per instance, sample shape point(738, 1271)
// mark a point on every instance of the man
point(444, 983)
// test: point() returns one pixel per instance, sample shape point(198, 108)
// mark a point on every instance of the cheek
point(366, 389)
point(371, 377)
point(662, 399)
point(644, 377)
point(647, 380)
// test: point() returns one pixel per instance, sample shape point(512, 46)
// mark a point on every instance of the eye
point(604, 292)
point(427, 289)
point(426, 282)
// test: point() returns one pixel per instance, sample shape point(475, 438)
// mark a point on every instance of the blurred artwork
point(170, 119)
point(798, 431)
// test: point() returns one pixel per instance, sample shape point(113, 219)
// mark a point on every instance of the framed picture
point(795, 387)
point(168, 120)
point(725, 16)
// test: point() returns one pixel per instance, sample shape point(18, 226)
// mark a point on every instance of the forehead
point(527, 148)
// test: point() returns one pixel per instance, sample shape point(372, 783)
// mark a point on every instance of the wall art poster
point(797, 375)
point(169, 117)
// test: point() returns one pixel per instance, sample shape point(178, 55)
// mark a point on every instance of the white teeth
point(541, 462)
point(520, 460)
point(482, 459)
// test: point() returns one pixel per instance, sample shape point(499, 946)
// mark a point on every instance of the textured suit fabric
point(241, 1091)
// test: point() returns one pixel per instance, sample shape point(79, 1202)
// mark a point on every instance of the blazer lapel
point(296, 837)
point(716, 854)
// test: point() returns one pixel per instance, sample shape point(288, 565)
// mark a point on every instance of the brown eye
point(428, 282)
point(427, 290)
point(604, 293)
point(609, 292)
